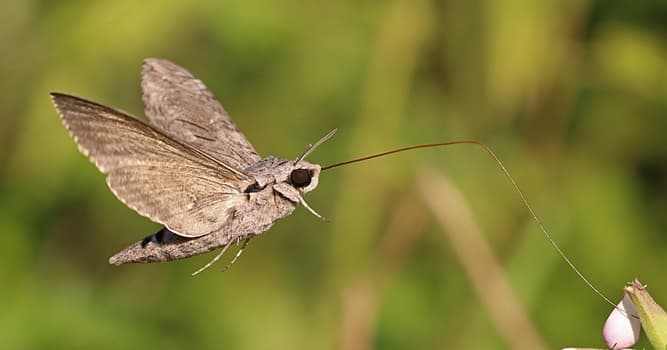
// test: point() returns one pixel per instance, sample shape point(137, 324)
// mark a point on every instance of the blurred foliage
point(571, 94)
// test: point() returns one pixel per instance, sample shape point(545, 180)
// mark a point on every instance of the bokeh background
point(425, 250)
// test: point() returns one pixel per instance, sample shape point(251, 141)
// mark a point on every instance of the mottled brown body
point(245, 224)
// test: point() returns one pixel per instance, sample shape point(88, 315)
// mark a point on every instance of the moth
point(189, 168)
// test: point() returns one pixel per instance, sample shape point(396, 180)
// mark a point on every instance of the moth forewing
point(158, 177)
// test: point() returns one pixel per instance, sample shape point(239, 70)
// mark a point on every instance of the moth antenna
point(514, 184)
point(245, 243)
point(217, 257)
point(312, 147)
point(311, 210)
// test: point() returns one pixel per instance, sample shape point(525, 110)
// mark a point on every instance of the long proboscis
point(514, 184)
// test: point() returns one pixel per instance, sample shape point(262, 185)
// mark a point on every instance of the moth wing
point(182, 107)
point(160, 178)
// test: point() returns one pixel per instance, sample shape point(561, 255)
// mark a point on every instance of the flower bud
point(621, 330)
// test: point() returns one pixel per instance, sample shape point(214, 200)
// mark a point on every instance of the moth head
point(301, 177)
point(304, 176)
point(294, 180)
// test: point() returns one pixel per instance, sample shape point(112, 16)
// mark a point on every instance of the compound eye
point(300, 177)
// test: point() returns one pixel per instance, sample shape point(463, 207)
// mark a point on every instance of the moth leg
point(245, 243)
point(217, 257)
point(275, 202)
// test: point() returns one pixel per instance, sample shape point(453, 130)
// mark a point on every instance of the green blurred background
point(571, 94)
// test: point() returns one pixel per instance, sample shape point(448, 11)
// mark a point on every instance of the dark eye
point(300, 177)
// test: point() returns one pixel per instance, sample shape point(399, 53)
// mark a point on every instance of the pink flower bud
point(621, 330)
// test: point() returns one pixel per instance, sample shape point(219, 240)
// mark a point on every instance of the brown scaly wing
point(182, 107)
point(158, 177)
